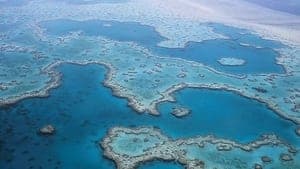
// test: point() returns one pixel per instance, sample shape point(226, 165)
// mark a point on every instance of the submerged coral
point(130, 147)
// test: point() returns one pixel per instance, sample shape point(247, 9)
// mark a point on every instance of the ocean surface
point(241, 44)
point(9, 3)
point(161, 165)
point(82, 109)
point(81, 2)
point(83, 112)
point(288, 6)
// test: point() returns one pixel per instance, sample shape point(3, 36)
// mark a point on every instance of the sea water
point(161, 165)
point(83, 2)
point(9, 3)
point(228, 115)
point(288, 6)
point(82, 110)
point(259, 56)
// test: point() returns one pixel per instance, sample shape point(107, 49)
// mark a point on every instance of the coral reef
point(47, 130)
point(132, 64)
point(230, 61)
point(180, 112)
point(130, 147)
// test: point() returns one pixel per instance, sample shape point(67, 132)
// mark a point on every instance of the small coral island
point(131, 147)
point(231, 61)
point(47, 130)
point(180, 112)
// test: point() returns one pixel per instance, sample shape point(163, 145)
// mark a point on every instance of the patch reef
point(126, 147)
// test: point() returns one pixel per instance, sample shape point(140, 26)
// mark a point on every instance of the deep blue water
point(289, 6)
point(82, 110)
point(208, 52)
point(229, 115)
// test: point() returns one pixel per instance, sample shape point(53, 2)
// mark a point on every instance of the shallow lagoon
point(83, 112)
point(229, 115)
point(257, 52)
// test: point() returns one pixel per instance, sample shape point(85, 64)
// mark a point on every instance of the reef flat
point(82, 113)
point(180, 112)
point(135, 67)
point(231, 61)
point(131, 147)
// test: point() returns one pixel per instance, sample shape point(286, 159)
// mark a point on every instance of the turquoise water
point(228, 115)
point(244, 36)
point(258, 60)
point(208, 52)
point(128, 31)
point(161, 165)
point(82, 110)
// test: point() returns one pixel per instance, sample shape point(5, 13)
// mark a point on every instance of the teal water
point(161, 165)
point(127, 31)
point(82, 110)
point(208, 52)
point(229, 115)
point(258, 60)
point(245, 36)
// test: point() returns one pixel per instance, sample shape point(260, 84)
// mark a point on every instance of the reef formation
point(135, 71)
point(231, 61)
point(131, 147)
point(30, 54)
